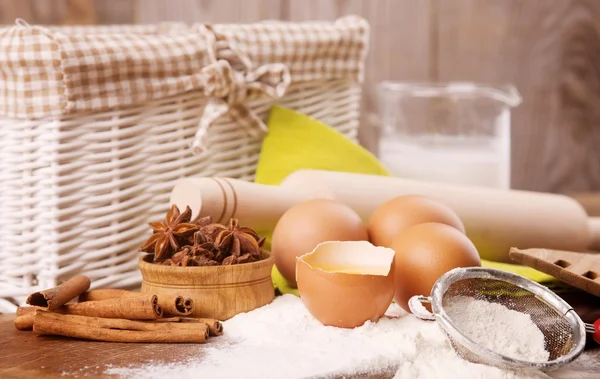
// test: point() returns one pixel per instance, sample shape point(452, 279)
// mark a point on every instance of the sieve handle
point(415, 304)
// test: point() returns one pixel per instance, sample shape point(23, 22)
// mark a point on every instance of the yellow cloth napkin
point(295, 141)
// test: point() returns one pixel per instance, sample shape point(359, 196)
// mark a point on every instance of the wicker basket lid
point(58, 71)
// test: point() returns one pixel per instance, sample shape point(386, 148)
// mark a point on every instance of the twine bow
point(228, 88)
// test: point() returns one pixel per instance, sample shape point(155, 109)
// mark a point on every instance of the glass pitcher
point(455, 132)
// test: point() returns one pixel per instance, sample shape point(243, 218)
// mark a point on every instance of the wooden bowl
point(218, 292)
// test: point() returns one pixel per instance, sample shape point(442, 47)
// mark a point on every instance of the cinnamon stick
point(53, 298)
point(132, 307)
point(215, 327)
point(141, 307)
point(178, 306)
point(171, 305)
point(122, 324)
point(106, 293)
point(24, 317)
point(114, 330)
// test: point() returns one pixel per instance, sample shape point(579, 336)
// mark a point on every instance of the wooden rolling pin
point(590, 202)
point(495, 220)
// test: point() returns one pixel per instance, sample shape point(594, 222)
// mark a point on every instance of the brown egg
point(402, 212)
point(305, 225)
point(345, 284)
point(425, 252)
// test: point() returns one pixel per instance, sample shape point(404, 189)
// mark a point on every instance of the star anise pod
point(237, 241)
point(201, 246)
point(203, 221)
point(183, 258)
point(202, 260)
point(246, 258)
point(167, 236)
point(230, 260)
point(212, 230)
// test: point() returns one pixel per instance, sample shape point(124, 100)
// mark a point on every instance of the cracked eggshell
point(345, 284)
point(302, 227)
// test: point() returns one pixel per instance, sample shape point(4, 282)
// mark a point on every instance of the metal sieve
point(564, 332)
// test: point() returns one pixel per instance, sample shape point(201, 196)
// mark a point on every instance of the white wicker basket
point(78, 186)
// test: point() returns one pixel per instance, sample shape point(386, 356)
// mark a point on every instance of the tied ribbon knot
point(228, 89)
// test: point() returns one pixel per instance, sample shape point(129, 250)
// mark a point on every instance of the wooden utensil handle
point(254, 205)
point(495, 220)
point(594, 225)
point(590, 201)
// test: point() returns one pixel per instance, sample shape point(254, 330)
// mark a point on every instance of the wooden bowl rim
point(144, 265)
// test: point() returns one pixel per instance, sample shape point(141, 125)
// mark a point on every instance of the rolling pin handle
point(594, 226)
point(255, 205)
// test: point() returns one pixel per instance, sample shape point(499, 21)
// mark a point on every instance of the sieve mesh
point(563, 331)
point(558, 334)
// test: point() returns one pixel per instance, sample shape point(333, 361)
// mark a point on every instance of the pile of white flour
point(282, 340)
point(498, 328)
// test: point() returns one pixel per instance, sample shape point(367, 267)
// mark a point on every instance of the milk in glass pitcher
point(448, 132)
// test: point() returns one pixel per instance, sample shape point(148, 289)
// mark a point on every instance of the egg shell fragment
point(346, 283)
point(302, 227)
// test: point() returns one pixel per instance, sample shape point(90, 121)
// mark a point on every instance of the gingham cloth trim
point(49, 72)
point(160, 28)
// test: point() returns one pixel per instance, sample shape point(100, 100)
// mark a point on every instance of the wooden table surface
point(24, 355)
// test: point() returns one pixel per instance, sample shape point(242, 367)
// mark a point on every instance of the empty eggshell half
point(346, 283)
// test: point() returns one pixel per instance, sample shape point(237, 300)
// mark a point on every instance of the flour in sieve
point(497, 328)
point(282, 340)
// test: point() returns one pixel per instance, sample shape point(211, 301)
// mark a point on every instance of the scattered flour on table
point(502, 330)
point(282, 340)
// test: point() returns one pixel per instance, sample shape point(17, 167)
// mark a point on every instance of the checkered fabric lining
point(55, 71)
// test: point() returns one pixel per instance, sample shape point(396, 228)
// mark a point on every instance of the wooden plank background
point(550, 49)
